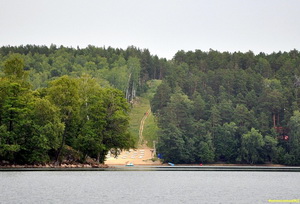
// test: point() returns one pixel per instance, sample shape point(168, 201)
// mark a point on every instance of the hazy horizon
point(163, 27)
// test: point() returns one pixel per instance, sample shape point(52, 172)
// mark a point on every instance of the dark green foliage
point(211, 106)
point(237, 100)
point(161, 98)
point(252, 147)
point(293, 155)
point(270, 149)
point(226, 143)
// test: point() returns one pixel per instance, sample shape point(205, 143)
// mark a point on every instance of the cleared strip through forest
point(142, 127)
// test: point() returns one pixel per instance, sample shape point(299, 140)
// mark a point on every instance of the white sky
point(162, 26)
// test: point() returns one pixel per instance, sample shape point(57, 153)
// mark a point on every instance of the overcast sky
point(162, 26)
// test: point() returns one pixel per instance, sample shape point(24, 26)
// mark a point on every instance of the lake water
point(147, 186)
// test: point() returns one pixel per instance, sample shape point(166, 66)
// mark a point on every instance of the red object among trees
point(282, 132)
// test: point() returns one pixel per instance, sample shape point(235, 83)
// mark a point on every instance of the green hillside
point(140, 107)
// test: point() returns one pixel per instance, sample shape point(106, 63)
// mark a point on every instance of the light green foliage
point(134, 69)
point(122, 68)
point(35, 127)
point(95, 119)
point(270, 148)
point(139, 107)
point(251, 147)
point(46, 118)
point(294, 141)
point(225, 142)
point(201, 94)
point(14, 107)
point(63, 92)
point(78, 113)
point(92, 117)
point(116, 133)
point(29, 126)
point(118, 76)
point(14, 67)
point(150, 130)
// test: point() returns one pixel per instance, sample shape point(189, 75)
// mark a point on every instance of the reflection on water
point(147, 186)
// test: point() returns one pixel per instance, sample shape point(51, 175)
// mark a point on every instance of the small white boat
point(129, 164)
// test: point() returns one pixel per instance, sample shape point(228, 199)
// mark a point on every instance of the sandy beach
point(141, 156)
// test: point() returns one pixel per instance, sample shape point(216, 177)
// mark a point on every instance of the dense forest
point(60, 102)
point(230, 107)
point(65, 104)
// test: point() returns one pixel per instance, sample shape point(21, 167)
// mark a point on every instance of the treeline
point(127, 70)
point(60, 102)
point(71, 118)
point(230, 107)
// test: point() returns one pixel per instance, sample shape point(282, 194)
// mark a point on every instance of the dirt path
point(141, 138)
point(143, 155)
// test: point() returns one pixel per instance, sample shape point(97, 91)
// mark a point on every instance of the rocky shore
point(55, 166)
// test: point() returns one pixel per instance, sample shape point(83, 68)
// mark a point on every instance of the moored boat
point(129, 164)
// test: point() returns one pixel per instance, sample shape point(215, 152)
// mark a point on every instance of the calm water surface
point(147, 187)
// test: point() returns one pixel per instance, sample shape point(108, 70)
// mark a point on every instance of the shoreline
point(89, 165)
point(160, 168)
point(105, 166)
point(67, 166)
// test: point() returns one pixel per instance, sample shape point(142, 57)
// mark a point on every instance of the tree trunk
point(60, 148)
point(98, 157)
point(62, 141)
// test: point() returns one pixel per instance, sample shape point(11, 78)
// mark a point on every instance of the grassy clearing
point(152, 84)
point(150, 130)
point(140, 106)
